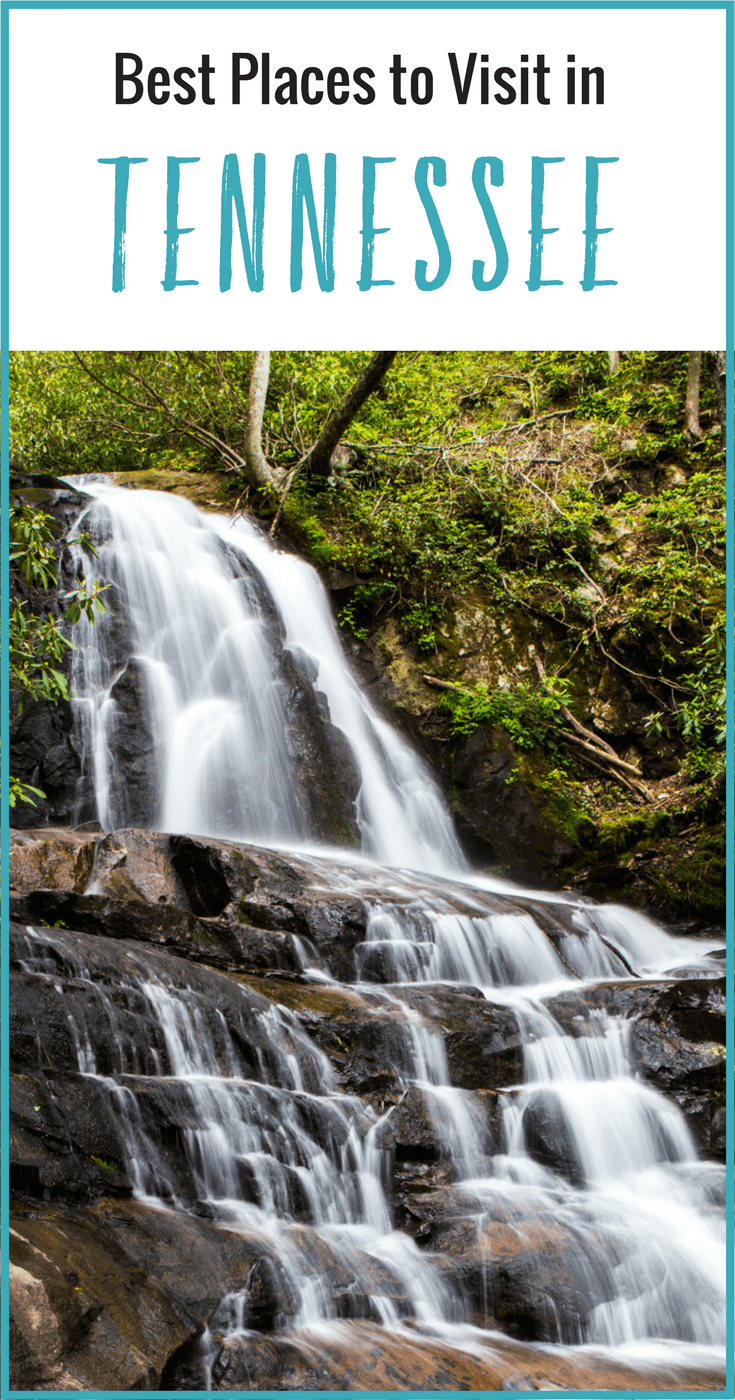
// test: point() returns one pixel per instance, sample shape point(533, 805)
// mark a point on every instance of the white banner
point(443, 178)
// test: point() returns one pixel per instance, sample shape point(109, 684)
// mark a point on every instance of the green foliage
point(37, 643)
point(109, 1168)
point(605, 526)
point(21, 792)
point(420, 622)
point(526, 714)
point(702, 718)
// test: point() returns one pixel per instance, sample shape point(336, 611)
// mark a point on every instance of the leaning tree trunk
point(319, 460)
point(613, 360)
point(258, 470)
point(691, 411)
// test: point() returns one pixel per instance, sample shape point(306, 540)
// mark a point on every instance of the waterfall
point(203, 609)
point(198, 596)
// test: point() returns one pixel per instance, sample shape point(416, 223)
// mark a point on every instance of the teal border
point(5, 7)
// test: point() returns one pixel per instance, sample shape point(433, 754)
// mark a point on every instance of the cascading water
point(208, 608)
point(198, 597)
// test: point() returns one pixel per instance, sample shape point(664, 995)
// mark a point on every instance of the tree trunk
point(319, 459)
point(613, 359)
point(718, 366)
point(258, 470)
point(691, 411)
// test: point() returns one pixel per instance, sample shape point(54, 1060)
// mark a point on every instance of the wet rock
point(46, 754)
point(504, 817)
point(81, 1004)
point(415, 1182)
point(201, 874)
point(63, 1144)
point(70, 1268)
point(327, 777)
point(547, 1137)
point(365, 1357)
point(183, 934)
point(520, 1266)
point(205, 898)
point(135, 1263)
point(157, 910)
point(483, 1044)
point(136, 803)
point(362, 1357)
point(410, 1129)
point(362, 1037)
point(134, 891)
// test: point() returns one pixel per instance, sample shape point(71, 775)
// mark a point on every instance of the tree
point(718, 367)
point(691, 408)
point(218, 402)
point(259, 472)
point(319, 459)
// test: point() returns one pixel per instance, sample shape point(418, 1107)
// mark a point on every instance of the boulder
point(502, 820)
point(137, 801)
point(130, 1266)
point(327, 777)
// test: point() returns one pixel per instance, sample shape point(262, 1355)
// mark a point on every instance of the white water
point(200, 630)
point(626, 1182)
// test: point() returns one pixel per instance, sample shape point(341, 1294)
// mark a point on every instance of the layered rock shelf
point(125, 1276)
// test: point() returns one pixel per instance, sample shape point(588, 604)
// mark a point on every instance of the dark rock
point(45, 754)
point(547, 1136)
point(63, 1144)
point(156, 910)
point(135, 1263)
point(327, 777)
point(410, 1129)
point(504, 816)
point(482, 1041)
point(136, 801)
point(200, 871)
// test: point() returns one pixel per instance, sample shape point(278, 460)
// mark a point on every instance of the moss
point(701, 875)
point(342, 835)
point(621, 831)
point(108, 1168)
point(207, 490)
point(570, 820)
point(201, 935)
point(298, 996)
